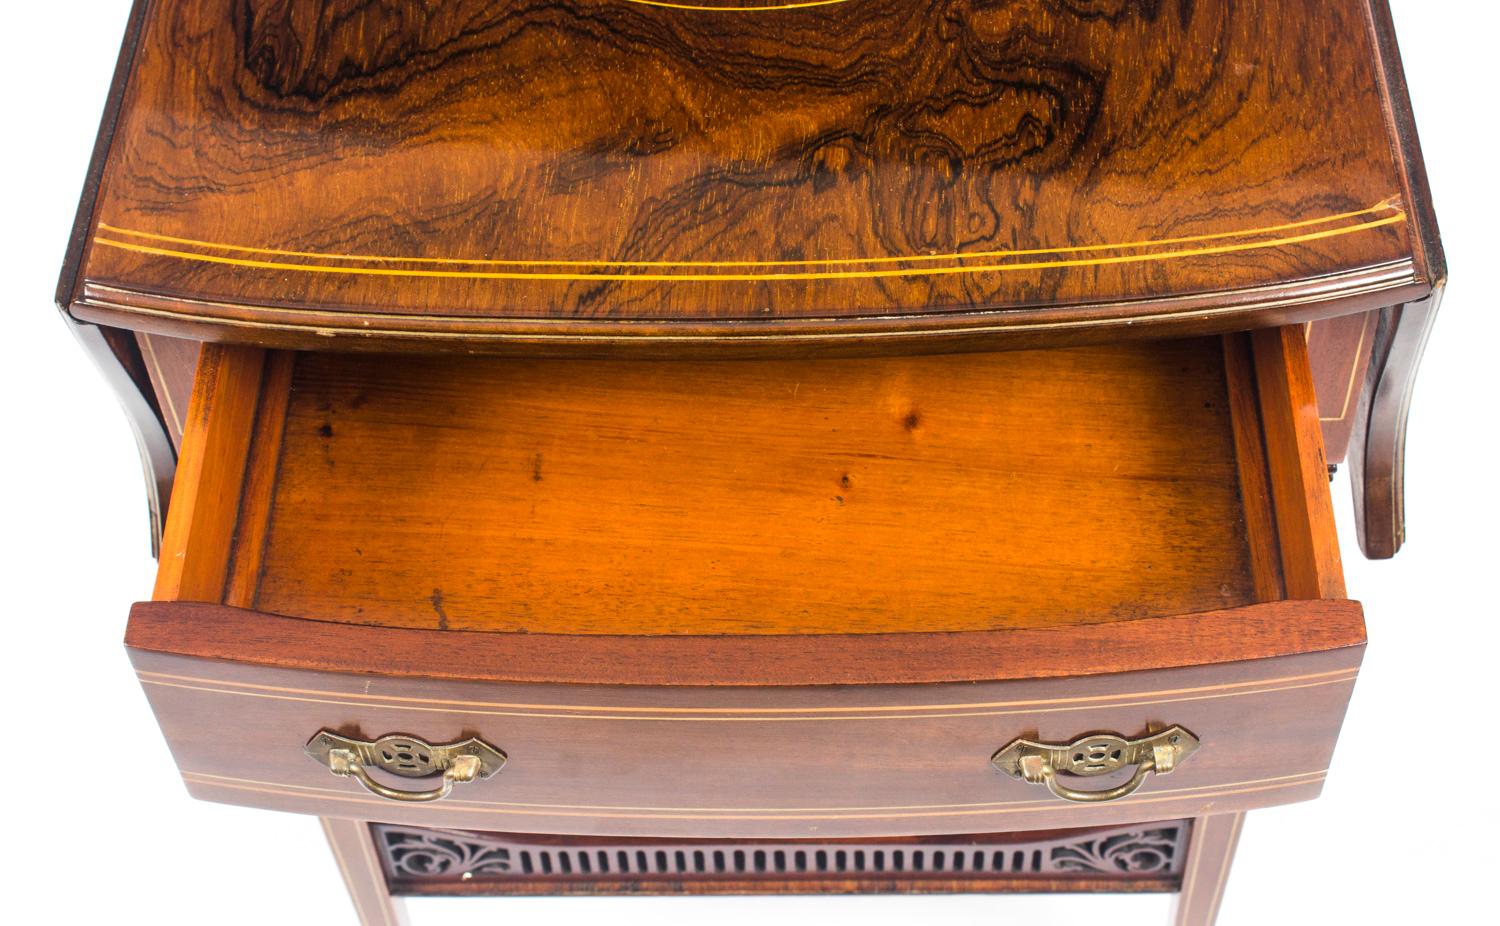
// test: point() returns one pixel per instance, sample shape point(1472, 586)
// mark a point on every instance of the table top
point(617, 173)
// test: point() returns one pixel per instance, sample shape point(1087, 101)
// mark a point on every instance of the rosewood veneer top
point(601, 174)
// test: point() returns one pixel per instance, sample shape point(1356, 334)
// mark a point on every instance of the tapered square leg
point(354, 851)
point(1210, 852)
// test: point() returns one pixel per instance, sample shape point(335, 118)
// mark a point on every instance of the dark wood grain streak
point(587, 176)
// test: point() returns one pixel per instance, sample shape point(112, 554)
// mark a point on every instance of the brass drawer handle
point(1096, 754)
point(408, 756)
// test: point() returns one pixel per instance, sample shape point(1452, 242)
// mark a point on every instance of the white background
point(98, 828)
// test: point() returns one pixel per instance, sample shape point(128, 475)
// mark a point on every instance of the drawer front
point(756, 762)
point(963, 554)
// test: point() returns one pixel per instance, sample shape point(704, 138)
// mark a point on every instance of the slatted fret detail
point(414, 855)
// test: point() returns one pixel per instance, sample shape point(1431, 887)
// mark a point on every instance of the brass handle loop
point(406, 756)
point(344, 763)
point(1095, 754)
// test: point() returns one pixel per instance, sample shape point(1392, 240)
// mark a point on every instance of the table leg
point(1210, 852)
point(354, 851)
point(1377, 449)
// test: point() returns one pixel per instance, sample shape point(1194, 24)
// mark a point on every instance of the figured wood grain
point(830, 496)
point(592, 174)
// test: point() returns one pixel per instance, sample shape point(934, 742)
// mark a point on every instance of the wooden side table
point(624, 447)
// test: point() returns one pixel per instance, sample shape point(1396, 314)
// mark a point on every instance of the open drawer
point(759, 598)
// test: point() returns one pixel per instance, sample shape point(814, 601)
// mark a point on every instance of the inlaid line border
point(148, 348)
point(1385, 205)
point(108, 299)
point(1223, 876)
point(1251, 786)
point(454, 802)
point(787, 715)
point(372, 863)
point(645, 271)
point(1356, 368)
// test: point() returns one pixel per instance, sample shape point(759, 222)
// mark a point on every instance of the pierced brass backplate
point(1095, 754)
point(407, 756)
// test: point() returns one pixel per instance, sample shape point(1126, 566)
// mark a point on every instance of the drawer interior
point(753, 599)
point(921, 493)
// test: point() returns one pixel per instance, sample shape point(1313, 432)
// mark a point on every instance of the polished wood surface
point(1339, 352)
point(1261, 631)
point(1378, 442)
point(310, 135)
point(1297, 465)
point(774, 762)
point(593, 174)
point(360, 867)
point(1377, 460)
point(630, 575)
point(1256, 392)
point(117, 356)
point(740, 734)
point(938, 493)
point(206, 496)
point(1207, 869)
point(171, 364)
